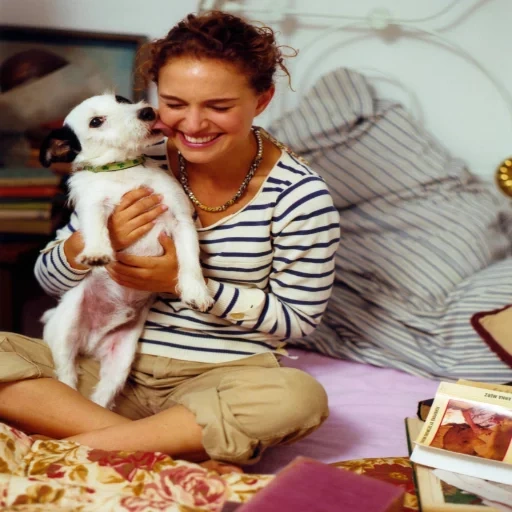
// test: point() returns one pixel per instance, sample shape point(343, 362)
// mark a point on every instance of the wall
point(443, 87)
point(152, 18)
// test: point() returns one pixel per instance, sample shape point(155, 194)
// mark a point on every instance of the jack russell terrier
point(104, 137)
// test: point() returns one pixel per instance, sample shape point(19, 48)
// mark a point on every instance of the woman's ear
point(264, 99)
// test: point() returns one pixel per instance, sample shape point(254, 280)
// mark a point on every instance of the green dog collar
point(116, 166)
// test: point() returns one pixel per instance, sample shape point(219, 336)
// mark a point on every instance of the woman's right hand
point(133, 217)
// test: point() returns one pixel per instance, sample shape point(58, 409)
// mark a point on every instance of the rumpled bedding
point(64, 476)
point(425, 244)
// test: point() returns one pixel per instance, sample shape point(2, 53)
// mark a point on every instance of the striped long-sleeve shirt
point(270, 270)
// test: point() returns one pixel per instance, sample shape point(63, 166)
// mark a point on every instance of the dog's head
point(100, 130)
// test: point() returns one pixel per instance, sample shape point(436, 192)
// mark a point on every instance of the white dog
point(98, 317)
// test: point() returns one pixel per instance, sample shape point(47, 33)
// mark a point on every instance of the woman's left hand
point(149, 273)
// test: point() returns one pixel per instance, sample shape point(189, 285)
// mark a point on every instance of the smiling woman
point(203, 129)
point(206, 384)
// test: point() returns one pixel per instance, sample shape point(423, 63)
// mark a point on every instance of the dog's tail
point(47, 315)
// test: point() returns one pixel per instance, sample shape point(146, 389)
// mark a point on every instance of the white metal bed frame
point(379, 22)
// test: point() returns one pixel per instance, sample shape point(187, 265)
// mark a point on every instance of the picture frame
point(118, 55)
point(45, 72)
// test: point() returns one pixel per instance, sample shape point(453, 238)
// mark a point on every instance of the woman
point(203, 385)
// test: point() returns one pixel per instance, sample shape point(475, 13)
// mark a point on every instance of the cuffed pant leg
point(245, 410)
point(24, 358)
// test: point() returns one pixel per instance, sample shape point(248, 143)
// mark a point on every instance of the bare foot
point(222, 468)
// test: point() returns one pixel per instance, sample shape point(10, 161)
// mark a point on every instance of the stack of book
point(461, 446)
point(27, 200)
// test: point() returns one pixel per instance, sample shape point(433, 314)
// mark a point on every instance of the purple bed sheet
point(367, 404)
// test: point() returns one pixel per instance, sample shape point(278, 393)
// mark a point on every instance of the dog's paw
point(195, 294)
point(95, 258)
point(68, 378)
point(103, 399)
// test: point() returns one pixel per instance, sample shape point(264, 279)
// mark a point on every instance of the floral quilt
point(63, 476)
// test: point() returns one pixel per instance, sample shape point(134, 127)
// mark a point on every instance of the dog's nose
point(146, 114)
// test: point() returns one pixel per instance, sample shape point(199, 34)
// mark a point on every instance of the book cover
point(27, 176)
point(468, 430)
point(433, 494)
point(307, 484)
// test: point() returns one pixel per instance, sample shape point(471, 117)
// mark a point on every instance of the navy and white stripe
point(424, 245)
point(270, 269)
point(52, 269)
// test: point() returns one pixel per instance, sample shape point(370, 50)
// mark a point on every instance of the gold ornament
point(504, 176)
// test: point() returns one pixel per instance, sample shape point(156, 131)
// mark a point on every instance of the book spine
point(27, 226)
point(26, 176)
point(28, 191)
point(29, 182)
point(24, 205)
point(24, 214)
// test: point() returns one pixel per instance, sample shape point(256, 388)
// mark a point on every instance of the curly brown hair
point(222, 36)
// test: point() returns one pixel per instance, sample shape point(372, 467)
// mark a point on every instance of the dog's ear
point(61, 145)
point(122, 99)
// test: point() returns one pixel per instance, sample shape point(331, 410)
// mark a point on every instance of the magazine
point(425, 405)
point(468, 430)
point(434, 495)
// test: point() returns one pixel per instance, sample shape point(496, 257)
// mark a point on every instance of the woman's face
point(207, 108)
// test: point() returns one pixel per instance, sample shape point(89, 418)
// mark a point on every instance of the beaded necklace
point(183, 176)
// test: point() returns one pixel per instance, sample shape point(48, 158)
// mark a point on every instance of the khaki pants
point(243, 406)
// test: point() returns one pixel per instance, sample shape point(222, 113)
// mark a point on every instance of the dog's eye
point(96, 122)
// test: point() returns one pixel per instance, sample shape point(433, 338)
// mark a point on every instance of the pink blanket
point(368, 406)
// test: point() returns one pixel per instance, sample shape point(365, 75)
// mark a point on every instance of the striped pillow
point(416, 228)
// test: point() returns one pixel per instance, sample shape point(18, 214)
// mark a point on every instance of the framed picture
point(44, 73)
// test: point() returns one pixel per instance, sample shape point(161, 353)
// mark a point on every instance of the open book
point(469, 430)
point(434, 495)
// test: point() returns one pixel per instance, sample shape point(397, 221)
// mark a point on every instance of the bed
point(404, 292)
point(425, 241)
point(368, 407)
